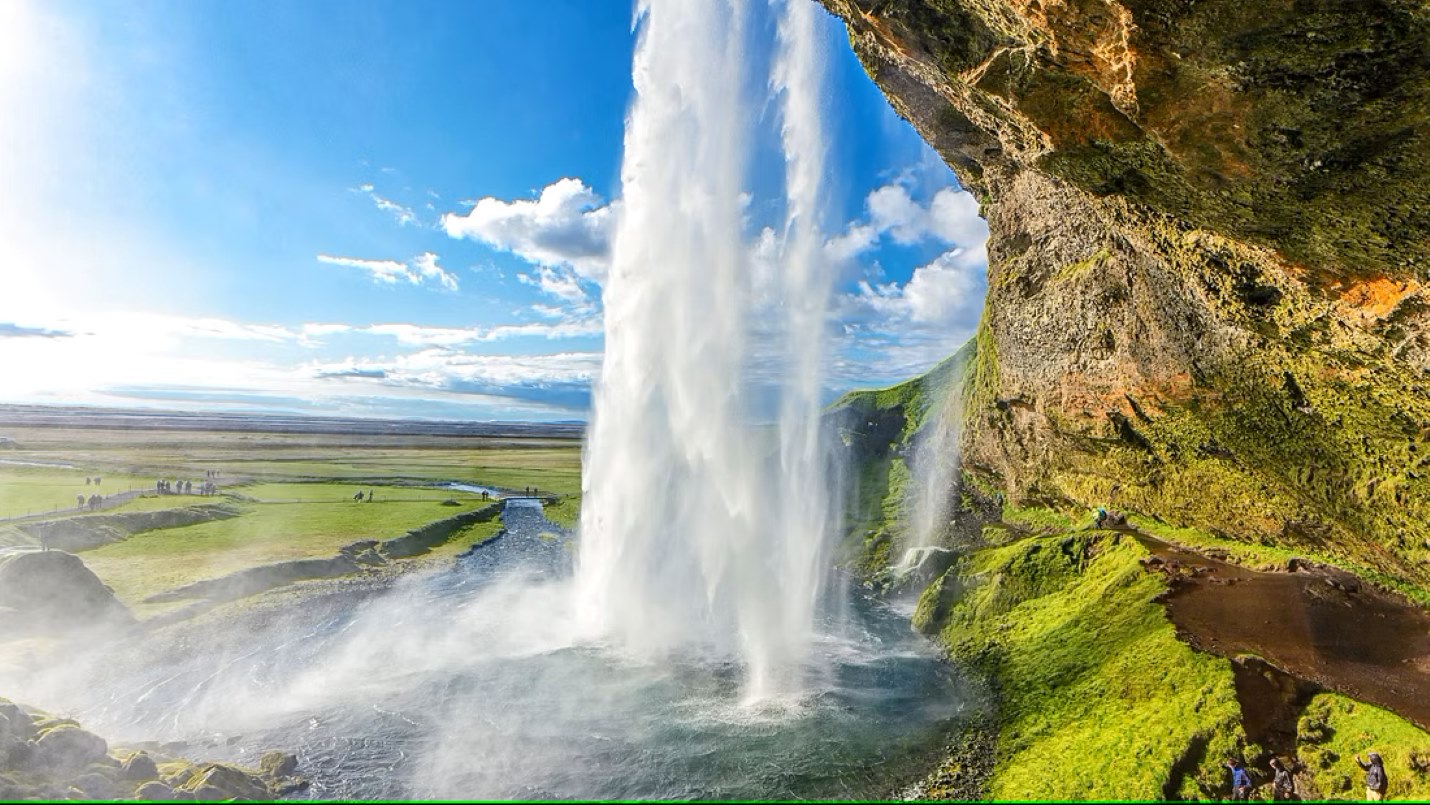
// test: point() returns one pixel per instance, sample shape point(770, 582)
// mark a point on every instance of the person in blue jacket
point(1240, 781)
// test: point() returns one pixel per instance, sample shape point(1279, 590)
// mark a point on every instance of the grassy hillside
point(1098, 699)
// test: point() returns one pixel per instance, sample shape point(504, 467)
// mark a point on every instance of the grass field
point(549, 464)
point(294, 493)
point(35, 490)
point(343, 493)
point(155, 561)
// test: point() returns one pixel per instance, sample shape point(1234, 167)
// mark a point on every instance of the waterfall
point(935, 466)
point(702, 530)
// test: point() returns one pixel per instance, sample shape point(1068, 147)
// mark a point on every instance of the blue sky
point(385, 208)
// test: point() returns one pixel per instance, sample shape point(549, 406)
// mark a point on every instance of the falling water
point(700, 531)
point(935, 467)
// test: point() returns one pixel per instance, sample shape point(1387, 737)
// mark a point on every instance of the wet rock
point(54, 591)
point(14, 723)
point(292, 785)
point(68, 747)
point(97, 786)
point(14, 753)
point(216, 781)
point(278, 764)
point(180, 777)
point(1344, 582)
point(43, 723)
point(154, 791)
point(139, 767)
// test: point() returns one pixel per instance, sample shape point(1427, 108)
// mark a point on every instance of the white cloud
point(401, 214)
point(425, 264)
point(559, 380)
point(416, 271)
point(944, 293)
point(559, 283)
point(567, 225)
point(419, 335)
point(951, 217)
point(384, 271)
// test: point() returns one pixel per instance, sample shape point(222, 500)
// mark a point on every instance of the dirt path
point(1318, 624)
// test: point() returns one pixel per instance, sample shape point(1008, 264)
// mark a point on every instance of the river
point(469, 682)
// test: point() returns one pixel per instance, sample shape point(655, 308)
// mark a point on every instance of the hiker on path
point(1375, 779)
point(1240, 781)
point(1283, 785)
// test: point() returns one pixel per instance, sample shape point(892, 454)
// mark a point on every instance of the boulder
point(53, 591)
point(179, 778)
point(14, 753)
point(68, 747)
point(97, 786)
point(217, 781)
point(274, 765)
point(154, 791)
point(139, 767)
point(14, 722)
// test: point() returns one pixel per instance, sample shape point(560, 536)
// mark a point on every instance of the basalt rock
point(53, 591)
point(1207, 255)
point(68, 748)
point(61, 760)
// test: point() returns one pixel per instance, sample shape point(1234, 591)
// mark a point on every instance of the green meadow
point(292, 495)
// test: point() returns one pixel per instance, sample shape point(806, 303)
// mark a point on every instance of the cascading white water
point(699, 530)
point(935, 468)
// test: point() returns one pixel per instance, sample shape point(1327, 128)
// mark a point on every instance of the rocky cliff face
point(1209, 241)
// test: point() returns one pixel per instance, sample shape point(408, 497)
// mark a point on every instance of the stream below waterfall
point(469, 682)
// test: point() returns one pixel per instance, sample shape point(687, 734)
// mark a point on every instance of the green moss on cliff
point(878, 427)
point(1098, 699)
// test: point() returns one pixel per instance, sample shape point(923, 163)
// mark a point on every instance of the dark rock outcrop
point(53, 591)
point(1207, 255)
point(67, 748)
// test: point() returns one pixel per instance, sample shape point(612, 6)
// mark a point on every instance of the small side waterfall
point(701, 530)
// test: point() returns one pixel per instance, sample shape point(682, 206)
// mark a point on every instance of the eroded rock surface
point(1207, 254)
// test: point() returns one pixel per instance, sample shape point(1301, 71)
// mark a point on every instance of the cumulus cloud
point(560, 380)
point(425, 265)
point(562, 284)
point(943, 293)
point(951, 216)
point(567, 225)
point(890, 331)
point(418, 271)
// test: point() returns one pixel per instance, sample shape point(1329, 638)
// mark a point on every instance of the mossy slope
point(1098, 699)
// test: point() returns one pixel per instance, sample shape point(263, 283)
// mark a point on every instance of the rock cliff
point(1207, 259)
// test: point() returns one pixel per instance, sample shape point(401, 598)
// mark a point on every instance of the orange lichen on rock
point(1376, 298)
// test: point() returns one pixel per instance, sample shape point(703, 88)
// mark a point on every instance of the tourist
point(1283, 785)
point(1101, 517)
point(1240, 781)
point(1375, 779)
point(79, 501)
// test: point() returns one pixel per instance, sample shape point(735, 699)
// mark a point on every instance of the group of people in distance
point(1283, 784)
point(166, 487)
point(92, 502)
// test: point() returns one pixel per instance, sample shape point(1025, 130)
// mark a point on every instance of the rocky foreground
point(48, 758)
